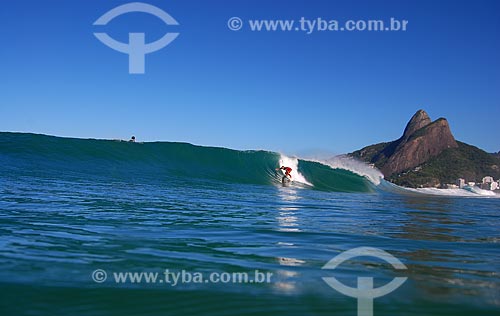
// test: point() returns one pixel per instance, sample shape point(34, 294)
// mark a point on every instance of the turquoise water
point(69, 207)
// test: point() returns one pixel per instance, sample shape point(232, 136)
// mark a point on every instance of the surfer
point(287, 171)
point(132, 139)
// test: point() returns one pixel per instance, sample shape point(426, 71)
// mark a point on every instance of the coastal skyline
point(281, 91)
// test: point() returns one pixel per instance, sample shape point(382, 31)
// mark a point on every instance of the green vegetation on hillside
point(466, 161)
point(371, 153)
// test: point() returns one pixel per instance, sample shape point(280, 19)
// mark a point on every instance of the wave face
point(23, 154)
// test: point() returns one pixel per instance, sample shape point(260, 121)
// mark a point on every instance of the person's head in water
point(132, 139)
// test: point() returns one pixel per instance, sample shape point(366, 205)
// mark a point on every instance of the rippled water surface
point(54, 234)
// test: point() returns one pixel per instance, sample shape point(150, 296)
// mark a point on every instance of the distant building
point(488, 179)
point(471, 183)
point(494, 186)
point(489, 184)
point(460, 183)
point(451, 186)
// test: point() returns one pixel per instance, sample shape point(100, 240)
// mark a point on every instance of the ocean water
point(69, 207)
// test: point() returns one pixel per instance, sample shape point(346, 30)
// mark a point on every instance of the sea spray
point(356, 166)
point(294, 164)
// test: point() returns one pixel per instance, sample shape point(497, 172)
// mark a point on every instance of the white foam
point(355, 166)
point(465, 192)
point(481, 191)
point(293, 163)
point(376, 177)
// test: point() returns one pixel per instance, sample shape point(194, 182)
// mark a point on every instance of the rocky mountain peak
point(418, 120)
point(422, 139)
point(419, 146)
point(427, 155)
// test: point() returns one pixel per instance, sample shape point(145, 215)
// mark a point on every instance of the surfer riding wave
point(287, 170)
point(287, 176)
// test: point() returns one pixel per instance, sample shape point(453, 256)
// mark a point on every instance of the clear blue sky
point(284, 91)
